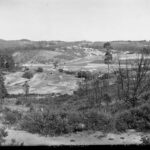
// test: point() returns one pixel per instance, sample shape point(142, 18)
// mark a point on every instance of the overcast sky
point(70, 20)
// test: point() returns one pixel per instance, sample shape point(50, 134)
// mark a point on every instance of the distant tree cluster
point(133, 46)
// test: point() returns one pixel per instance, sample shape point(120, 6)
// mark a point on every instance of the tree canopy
point(107, 45)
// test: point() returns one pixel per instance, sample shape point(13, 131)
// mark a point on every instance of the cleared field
point(52, 81)
point(41, 83)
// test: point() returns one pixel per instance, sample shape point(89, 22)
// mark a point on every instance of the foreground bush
point(27, 75)
point(135, 118)
point(118, 107)
point(12, 117)
point(97, 120)
point(45, 123)
point(145, 140)
point(3, 134)
point(62, 122)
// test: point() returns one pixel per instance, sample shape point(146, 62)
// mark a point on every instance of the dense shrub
point(60, 70)
point(3, 134)
point(84, 74)
point(74, 119)
point(22, 100)
point(18, 102)
point(3, 91)
point(119, 106)
point(61, 122)
point(69, 72)
point(12, 117)
point(97, 120)
point(45, 123)
point(145, 96)
point(104, 76)
point(135, 118)
point(145, 140)
point(27, 75)
point(39, 69)
point(106, 98)
point(6, 62)
point(123, 120)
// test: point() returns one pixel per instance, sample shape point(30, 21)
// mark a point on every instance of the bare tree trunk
point(133, 81)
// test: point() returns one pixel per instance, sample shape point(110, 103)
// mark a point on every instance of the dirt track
point(82, 138)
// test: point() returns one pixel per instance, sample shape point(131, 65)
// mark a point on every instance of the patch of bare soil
point(41, 83)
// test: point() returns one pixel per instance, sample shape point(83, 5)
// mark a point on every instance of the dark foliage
point(134, 118)
point(60, 70)
point(6, 62)
point(85, 74)
point(107, 45)
point(3, 91)
point(27, 75)
point(39, 69)
point(3, 134)
point(11, 117)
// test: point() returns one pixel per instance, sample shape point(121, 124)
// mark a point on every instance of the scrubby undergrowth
point(62, 122)
point(66, 114)
point(97, 105)
point(57, 115)
point(135, 118)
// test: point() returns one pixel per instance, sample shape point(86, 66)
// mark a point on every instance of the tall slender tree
point(108, 56)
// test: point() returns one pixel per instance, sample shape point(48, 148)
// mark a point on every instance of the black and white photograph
point(74, 72)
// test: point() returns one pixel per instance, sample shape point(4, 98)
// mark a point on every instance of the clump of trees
point(130, 83)
point(134, 118)
point(145, 51)
point(6, 62)
point(39, 69)
point(27, 75)
point(3, 134)
point(133, 82)
point(107, 45)
point(84, 74)
point(3, 91)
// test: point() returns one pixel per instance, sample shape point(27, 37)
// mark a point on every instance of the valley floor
point(45, 83)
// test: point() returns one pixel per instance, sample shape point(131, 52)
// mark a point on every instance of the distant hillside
point(27, 51)
point(133, 46)
point(43, 56)
point(25, 44)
